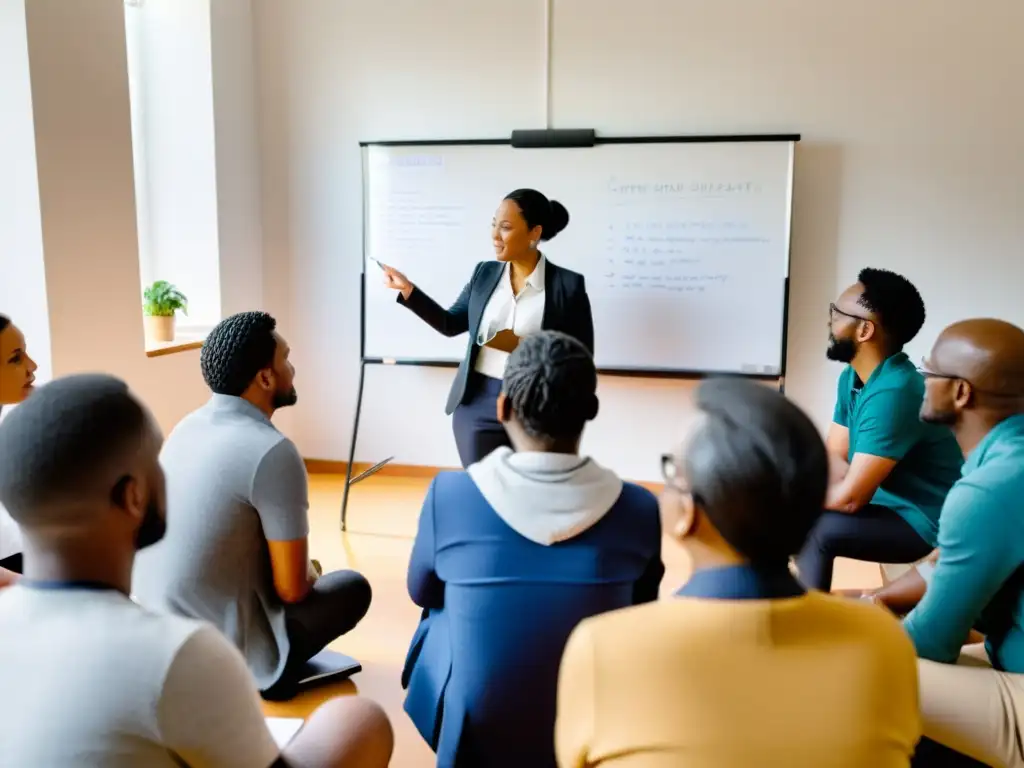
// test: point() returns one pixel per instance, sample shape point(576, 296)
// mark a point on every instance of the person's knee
point(347, 731)
point(350, 589)
point(364, 727)
point(360, 595)
point(370, 720)
point(821, 539)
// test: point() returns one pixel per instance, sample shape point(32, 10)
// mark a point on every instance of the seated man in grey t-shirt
point(236, 551)
point(90, 679)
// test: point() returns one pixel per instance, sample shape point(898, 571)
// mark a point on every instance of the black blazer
point(566, 309)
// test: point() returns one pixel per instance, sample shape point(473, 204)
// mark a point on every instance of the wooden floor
point(382, 522)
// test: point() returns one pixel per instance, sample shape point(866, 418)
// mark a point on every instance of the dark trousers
point(931, 754)
point(337, 602)
point(13, 563)
point(874, 533)
point(475, 422)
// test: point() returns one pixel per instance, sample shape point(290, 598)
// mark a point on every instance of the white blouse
point(521, 313)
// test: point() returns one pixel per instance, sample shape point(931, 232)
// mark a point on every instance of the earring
point(533, 244)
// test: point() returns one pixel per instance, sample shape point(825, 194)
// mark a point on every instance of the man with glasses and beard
point(237, 554)
point(974, 383)
point(890, 471)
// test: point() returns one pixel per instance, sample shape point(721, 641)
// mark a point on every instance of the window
point(171, 89)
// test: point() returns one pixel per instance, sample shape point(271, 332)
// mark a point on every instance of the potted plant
point(162, 300)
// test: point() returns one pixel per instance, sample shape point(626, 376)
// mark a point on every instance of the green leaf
point(162, 299)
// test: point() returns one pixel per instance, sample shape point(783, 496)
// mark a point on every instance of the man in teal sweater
point(891, 471)
point(975, 384)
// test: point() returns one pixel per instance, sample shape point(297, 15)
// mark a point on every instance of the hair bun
point(557, 221)
point(550, 215)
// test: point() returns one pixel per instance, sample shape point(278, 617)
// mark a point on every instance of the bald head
point(987, 353)
point(974, 376)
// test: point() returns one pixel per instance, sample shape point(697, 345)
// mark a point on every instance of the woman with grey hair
point(743, 666)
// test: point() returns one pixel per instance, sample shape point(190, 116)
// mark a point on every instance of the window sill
point(184, 341)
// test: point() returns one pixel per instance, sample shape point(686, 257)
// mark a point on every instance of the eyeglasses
point(925, 370)
point(833, 310)
point(929, 373)
point(673, 474)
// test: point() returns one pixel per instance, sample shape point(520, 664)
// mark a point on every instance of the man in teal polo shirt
point(975, 384)
point(891, 471)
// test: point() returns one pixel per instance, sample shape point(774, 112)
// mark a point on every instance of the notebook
point(283, 729)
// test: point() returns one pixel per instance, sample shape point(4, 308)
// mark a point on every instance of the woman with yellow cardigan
point(742, 667)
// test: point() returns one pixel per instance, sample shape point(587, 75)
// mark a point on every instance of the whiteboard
point(684, 246)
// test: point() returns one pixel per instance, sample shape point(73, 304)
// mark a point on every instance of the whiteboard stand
point(349, 480)
point(352, 446)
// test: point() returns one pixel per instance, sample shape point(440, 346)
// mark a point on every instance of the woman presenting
point(504, 300)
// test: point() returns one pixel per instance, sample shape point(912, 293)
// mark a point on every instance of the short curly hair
point(551, 384)
point(65, 442)
point(236, 350)
point(896, 303)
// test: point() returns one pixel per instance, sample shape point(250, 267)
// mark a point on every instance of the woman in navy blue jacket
point(510, 555)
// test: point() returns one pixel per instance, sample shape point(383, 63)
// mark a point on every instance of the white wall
point(83, 161)
point(236, 132)
point(22, 278)
point(912, 159)
point(322, 89)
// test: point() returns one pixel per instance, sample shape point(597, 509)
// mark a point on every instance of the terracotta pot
point(159, 329)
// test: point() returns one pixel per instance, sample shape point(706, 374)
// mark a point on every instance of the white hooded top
point(546, 497)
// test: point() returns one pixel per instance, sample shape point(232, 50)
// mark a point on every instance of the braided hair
point(236, 350)
point(551, 385)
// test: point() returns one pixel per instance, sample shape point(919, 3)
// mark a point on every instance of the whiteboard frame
point(638, 372)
